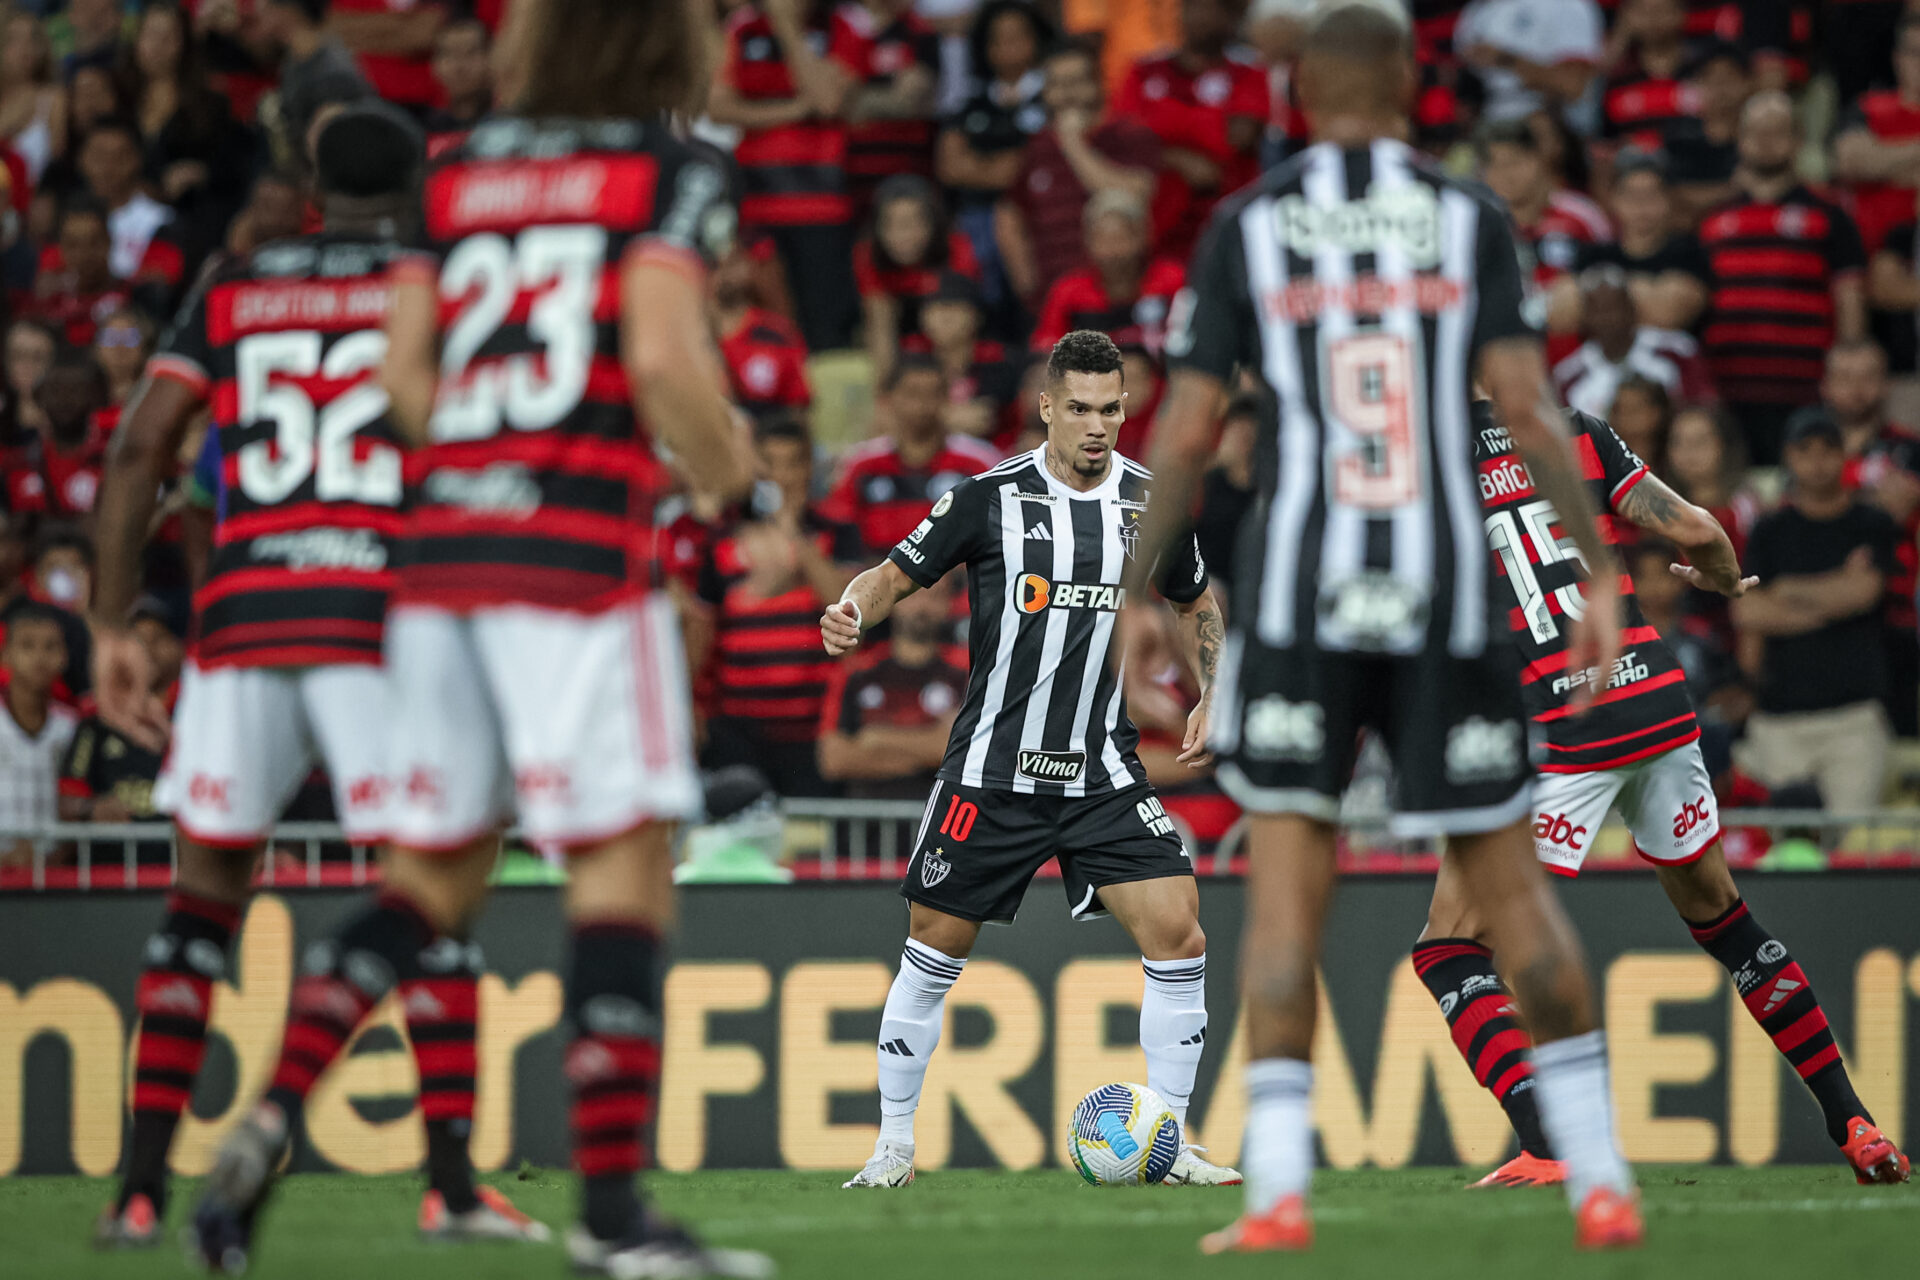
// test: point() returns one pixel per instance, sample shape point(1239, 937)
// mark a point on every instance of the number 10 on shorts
point(959, 820)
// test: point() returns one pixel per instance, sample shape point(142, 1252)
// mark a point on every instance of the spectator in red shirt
point(765, 357)
point(1877, 147)
point(983, 377)
point(1619, 347)
point(1552, 222)
point(55, 473)
point(791, 70)
point(765, 583)
point(463, 70)
point(1787, 267)
point(1206, 106)
point(885, 719)
point(900, 262)
point(892, 118)
point(887, 485)
point(393, 39)
point(1123, 293)
point(1076, 157)
point(1645, 97)
point(75, 298)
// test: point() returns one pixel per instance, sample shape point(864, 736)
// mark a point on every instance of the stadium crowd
point(1719, 199)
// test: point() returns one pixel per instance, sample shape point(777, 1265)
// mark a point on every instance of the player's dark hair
point(370, 149)
point(1504, 133)
point(613, 59)
point(783, 426)
point(1358, 32)
point(1085, 351)
point(912, 362)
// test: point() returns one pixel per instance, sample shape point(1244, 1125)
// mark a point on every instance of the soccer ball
point(1123, 1133)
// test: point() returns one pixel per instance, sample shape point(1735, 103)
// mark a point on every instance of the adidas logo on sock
point(1198, 1037)
point(896, 1047)
point(1041, 532)
point(1782, 990)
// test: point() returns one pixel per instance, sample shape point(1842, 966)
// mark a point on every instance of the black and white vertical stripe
point(1431, 541)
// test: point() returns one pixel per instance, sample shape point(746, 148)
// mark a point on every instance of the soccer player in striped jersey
point(1368, 289)
point(543, 351)
point(281, 347)
point(1637, 749)
point(1042, 762)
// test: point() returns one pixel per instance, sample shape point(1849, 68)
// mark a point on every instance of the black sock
point(1780, 998)
point(613, 1066)
point(1486, 1029)
point(449, 1170)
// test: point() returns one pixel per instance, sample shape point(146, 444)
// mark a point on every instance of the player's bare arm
point(1202, 628)
point(1514, 373)
point(142, 453)
point(1183, 436)
point(868, 600)
point(675, 370)
point(1712, 563)
point(410, 374)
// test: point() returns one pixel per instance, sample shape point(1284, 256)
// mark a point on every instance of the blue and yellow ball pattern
point(1123, 1133)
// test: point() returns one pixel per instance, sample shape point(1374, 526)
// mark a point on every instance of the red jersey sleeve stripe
point(180, 369)
point(1626, 486)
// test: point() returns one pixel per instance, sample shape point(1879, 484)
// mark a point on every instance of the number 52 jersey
point(1644, 710)
point(284, 346)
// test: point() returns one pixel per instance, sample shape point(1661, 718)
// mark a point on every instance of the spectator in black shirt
point(1812, 633)
point(1702, 153)
point(1667, 271)
point(885, 721)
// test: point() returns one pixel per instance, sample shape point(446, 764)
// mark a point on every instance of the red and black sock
point(1780, 998)
point(1486, 1029)
point(613, 1066)
point(442, 1005)
point(342, 980)
point(184, 961)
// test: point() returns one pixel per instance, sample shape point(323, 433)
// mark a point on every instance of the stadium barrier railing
point(860, 840)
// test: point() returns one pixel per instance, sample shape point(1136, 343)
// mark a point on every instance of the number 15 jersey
point(1644, 710)
point(538, 484)
point(283, 345)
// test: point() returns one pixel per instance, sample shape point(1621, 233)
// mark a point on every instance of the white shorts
point(576, 723)
point(245, 738)
point(1667, 802)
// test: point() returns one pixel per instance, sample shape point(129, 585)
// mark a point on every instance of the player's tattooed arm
point(1202, 629)
point(867, 602)
point(1712, 564)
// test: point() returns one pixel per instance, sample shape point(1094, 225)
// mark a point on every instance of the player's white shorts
point(578, 723)
point(1666, 801)
point(245, 738)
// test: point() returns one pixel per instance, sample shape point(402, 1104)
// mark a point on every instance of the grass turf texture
point(1702, 1223)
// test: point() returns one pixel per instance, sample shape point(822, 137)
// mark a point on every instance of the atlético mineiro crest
point(934, 868)
point(1130, 532)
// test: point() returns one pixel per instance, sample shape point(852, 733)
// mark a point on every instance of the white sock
point(1576, 1109)
point(909, 1030)
point(1277, 1156)
point(1173, 1028)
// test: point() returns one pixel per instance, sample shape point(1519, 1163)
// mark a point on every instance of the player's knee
point(218, 875)
point(949, 935)
point(1184, 940)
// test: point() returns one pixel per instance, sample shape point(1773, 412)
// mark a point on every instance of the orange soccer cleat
point(1609, 1219)
point(1873, 1156)
point(1285, 1228)
point(1525, 1170)
point(135, 1225)
point(493, 1218)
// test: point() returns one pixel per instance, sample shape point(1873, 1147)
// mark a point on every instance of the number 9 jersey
point(538, 485)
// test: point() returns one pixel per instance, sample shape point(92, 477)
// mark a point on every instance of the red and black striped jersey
point(1644, 709)
point(884, 498)
point(284, 345)
point(878, 149)
point(792, 174)
point(1770, 316)
point(1643, 110)
point(1080, 300)
point(538, 484)
point(766, 362)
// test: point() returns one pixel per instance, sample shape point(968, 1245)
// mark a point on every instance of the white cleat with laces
point(891, 1166)
point(1189, 1170)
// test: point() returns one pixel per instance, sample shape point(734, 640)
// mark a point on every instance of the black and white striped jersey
point(1044, 712)
point(1360, 284)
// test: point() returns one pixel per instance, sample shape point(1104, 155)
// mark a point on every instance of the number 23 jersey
point(538, 484)
point(1644, 709)
point(283, 346)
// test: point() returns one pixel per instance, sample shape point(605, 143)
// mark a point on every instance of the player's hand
point(1593, 643)
point(840, 628)
point(123, 687)
point(1193, 747)
point(1732, 588)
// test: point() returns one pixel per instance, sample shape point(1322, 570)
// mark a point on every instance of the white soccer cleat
point(493, 1218)
point(891, 1166)
point(1189, 1170)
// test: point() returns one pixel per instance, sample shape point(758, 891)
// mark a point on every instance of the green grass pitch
point(1702, 1223)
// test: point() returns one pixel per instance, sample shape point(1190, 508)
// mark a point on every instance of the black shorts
point(978, 848)
point(1288, 721)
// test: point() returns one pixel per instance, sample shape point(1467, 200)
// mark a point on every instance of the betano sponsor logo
point(1035, 594)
